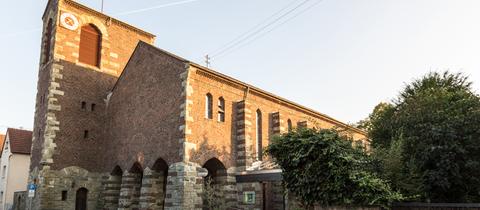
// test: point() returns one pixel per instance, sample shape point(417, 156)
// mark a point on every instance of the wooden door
point(81, 199)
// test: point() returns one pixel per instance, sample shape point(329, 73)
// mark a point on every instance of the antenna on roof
point(102, 6)
point(207, 60)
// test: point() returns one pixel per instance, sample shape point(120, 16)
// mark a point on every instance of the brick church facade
point(121, 124)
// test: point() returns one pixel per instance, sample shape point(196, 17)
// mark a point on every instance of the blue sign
point(32, 187)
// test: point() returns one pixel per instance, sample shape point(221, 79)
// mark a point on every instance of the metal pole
point(102, 6)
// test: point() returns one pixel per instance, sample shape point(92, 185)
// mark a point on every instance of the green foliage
point(379, 125)
point(323, 167)
point(212, 196)
point(435, 124)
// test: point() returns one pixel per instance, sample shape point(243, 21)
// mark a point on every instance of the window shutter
point(90, 40)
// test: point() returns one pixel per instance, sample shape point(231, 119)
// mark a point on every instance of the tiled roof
point(20, 140)
point(2, 139)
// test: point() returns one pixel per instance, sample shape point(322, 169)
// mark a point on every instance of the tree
point(322, 167)
point(436, 120)
point(379, 125)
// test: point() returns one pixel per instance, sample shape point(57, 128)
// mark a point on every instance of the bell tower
point(82, 55)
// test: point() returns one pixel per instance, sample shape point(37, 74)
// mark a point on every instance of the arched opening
point(113, 186)
point(136, 174)
point(131, 187)
point(48, 42)
point(81, 199)
point(90, 45)
point(289, 125)
point(208, 106)
point(159, 186)
point(214, 183)
point(258, 145)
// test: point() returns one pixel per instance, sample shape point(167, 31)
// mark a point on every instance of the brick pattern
point(152, 192)
point(112, 192)
point(243, 135)
point(130, 191)
point(53, 182)
point(184, 187)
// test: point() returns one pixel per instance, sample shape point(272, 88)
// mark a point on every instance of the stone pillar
point(130, 191)
point(277, 123)
point(112, 192)
point(244, 144)
point(230, 189)
point(184, 187)
point(152, 193)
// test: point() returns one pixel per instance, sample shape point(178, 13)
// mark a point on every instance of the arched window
point(47, 44)
point(90, 45)
point(259, 135)
point(221, 109)
point(208, 106)
point(289, 125)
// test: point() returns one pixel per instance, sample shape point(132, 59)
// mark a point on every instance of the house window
point(90, 45)
point(4, 171)
point(47, 43)
point(85, 134)
point(93, 107)
point(64, 195)
point(208, 106)
point(289, 125)
point(221, 110)
point(84, 105)
point(259, 134)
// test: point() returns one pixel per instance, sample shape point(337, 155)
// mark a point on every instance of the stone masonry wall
point(143, 115)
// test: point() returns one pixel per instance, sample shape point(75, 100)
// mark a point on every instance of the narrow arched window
point(208, 106)
point(259, 134)
point(221, 109)
point(289, 125)
point(47, 43)
point(90, 45)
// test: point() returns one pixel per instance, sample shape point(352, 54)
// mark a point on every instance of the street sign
point(31, 190)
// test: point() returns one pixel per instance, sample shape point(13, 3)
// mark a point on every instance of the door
point(81, 199)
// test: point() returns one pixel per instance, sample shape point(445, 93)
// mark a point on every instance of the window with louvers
point(90, 43)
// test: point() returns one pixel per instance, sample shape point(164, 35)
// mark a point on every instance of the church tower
point(83, 53)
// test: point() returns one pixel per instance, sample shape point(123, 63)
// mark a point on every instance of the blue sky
point(341, 57)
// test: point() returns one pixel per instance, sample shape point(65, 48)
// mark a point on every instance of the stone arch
point(154, 185)
point(112, 188)
point(131, 187)
point(85, 20)
point(215, 185)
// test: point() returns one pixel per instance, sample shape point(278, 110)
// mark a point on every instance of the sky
point(339, 57)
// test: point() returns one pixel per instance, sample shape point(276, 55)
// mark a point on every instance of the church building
point(122, 124)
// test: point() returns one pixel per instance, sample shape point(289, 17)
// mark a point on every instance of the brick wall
point(240, 121)
point(144, 111)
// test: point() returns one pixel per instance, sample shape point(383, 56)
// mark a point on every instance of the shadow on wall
point(206, 152)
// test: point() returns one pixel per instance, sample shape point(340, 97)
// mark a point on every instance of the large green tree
point(436, 120)
point(322, 167)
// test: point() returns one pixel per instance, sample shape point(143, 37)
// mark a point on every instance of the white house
point(14, 165)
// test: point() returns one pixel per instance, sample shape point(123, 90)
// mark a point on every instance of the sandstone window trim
point(258, 135)
point(208, 106)
point(90, 45)
point(221, 109)
point(289, 125)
